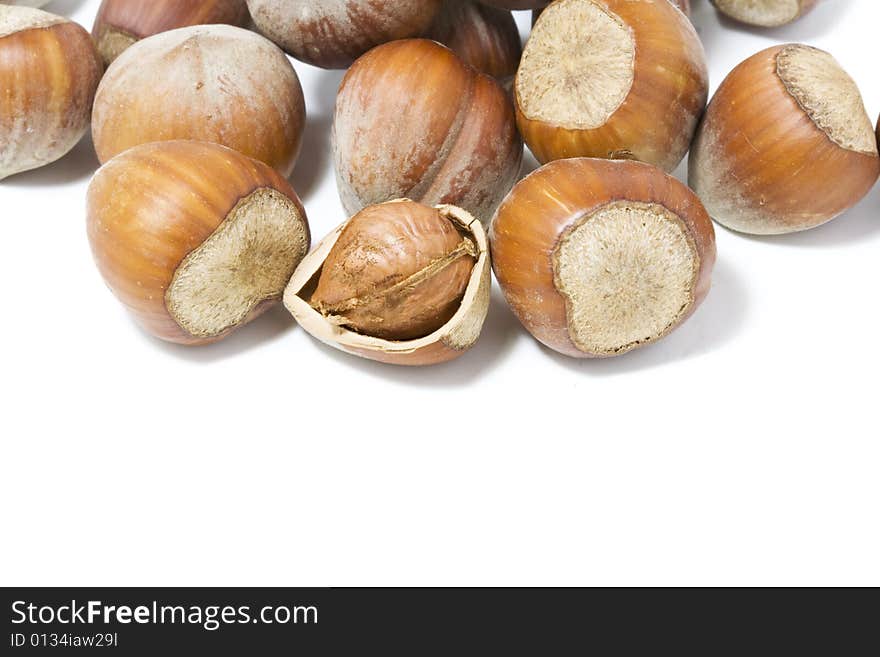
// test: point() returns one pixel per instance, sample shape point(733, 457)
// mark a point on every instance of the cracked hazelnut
point(399, 282)
point(599, 257)
point(193, 238)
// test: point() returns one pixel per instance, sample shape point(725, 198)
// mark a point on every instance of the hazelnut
point(193, 238)
point(599, 257)
point(764, 13)
point(49, 71)
point(213, 83)
point(334, 33)
point(619, 79)
point(412, 120)
point(483, 37)
point(785, 145)
point(399, 282)
point(120, 23)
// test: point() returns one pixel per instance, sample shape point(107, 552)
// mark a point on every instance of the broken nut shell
point(455, 335)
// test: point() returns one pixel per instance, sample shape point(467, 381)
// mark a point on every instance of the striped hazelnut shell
point(762, 165)
point(334, 33)
point(484, 37)
point(412, 120)
point(153, 208)
point(544, 208)
point(49, 71)
point(657, 117)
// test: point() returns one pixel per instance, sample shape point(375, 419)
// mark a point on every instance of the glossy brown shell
point(526, 230)
point(656, 121)
point(761, 165)
point(152, 206)
point(48, 79)
point(484, 37)
point(412, 120)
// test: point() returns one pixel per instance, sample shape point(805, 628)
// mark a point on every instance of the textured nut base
point(113, 43)
point(764, 13)
point(249, 259)
point(628, 273)
point(828, 95)
point(578, 66)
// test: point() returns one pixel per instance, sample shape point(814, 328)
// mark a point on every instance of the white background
point(743, 449)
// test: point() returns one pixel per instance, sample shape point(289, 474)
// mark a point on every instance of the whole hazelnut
point(120, 23)
point(618, 79)
point(49, 71)
point(484, 37)
point(786, 144)
point(412, 120)
point(599, 257)
point(213, 83)
point(334, 33)
point(194, 239)
point(764, 13)
point(399, 282)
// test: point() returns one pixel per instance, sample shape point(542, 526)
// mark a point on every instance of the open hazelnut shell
point(448, 342)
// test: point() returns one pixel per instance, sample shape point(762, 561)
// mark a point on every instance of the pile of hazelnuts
point(198, 122)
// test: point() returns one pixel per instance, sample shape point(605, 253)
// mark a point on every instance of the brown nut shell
point(599, 257)
point(49, 71)
point(446, 343)
point(194, 238)
point(785, 145)
point(121, 23)
point(412, 120)
point(764, 13)
point(334, 33)
point(617, 79)
point(484, 37)
point(214, 83)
